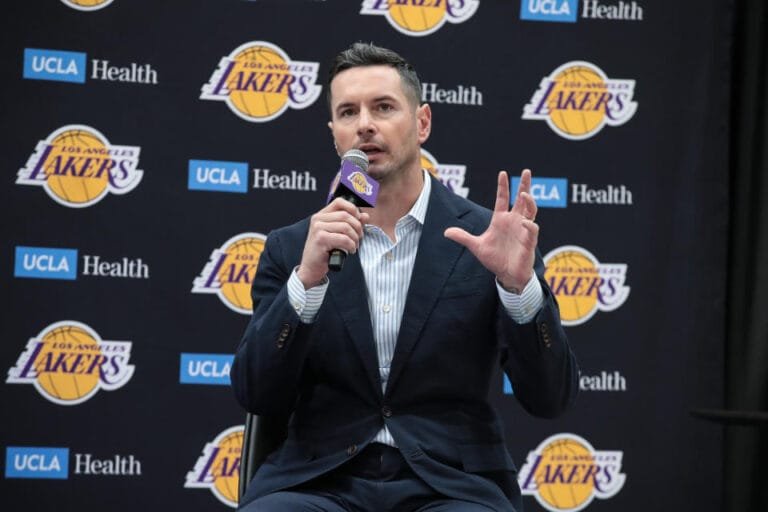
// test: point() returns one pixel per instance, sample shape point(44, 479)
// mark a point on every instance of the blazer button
point(351, 449)
point(386, 411)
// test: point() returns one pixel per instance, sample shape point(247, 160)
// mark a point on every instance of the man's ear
point(423, 122)
point(335, 146)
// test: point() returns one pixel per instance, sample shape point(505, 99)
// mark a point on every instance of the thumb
point(461, 237)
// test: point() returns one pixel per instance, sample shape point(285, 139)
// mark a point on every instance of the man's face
point(371, 112)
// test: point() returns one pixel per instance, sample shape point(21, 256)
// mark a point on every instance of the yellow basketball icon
point(259, 98)
point(560, 493)
point(237, 272)
point(415, 18)
point(225, 467)
point(55, 375)
point(72, 174)
point(429, 163)
point(87, 5)
point(574, 279)
point(570, 117)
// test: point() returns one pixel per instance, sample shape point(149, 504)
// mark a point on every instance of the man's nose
point(365, 123)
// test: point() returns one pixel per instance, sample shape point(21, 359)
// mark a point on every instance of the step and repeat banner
point(148, 149)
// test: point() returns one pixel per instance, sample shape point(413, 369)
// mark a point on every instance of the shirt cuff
point(524, 307)
point(306, 303)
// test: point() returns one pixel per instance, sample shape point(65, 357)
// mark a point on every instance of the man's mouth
point(372, 150)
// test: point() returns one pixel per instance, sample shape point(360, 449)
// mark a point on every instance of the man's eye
point(346, 113)
point(385, 107)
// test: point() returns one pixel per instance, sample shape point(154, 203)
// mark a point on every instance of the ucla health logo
point(68, 363)
point(218, 467)
point(87, 5)
point(583, 286)
point(210, 369)
point(258, 82)
point(450, 175)
point(77, 167)
point(45, 263)
point(421, 17)
point(549, 10)
point(577, 100)
point(548, 192)
point(230, 270)
point(565, 473)
point(36, 462)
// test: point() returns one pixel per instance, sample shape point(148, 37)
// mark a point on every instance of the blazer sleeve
point(537, 357)
point(268, 362)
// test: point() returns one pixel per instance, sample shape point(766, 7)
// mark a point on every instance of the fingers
point(525, 205)
point(337, 226)
point(461, 237)
point(502, 193)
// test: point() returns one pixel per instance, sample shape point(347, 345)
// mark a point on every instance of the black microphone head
point(358, 158)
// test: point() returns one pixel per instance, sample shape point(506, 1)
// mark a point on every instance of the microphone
point(352, 184)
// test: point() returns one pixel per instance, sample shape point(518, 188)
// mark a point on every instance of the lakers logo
point(218, 467)
point(78, 167)
point(577, 100)
point(451, 175)
point(230, 271)
point(565, 473)
point(360, 183)
point(259, 82)
point(421, 17)
point(68, 363)
point(87, 5)
point(583, 285)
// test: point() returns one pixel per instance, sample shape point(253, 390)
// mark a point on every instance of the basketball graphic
point(242, 256)
point(218, 467)
point(230, 271)
point(565, 473)
point(419, 19)
point(573, 266)
point(68, 363)
point(259, 82)
point(415, 18)
point(226, 464)
point(572, 118)
point(66, 386)
point(263, 102)
point(558, 493)
point(582, 285)
point(578, 99)
point(71, 188)
point(450, 175)
point(87, 5)
point(78, 167)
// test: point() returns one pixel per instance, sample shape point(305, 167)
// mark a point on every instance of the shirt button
point(386, 308)
point(389, 256)
point(386, 411)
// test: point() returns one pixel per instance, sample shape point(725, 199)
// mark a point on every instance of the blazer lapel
point(435, 260)
point(347, 288)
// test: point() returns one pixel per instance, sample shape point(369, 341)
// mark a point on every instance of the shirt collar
point(419, 209)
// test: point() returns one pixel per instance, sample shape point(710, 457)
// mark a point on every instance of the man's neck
point(395, 200)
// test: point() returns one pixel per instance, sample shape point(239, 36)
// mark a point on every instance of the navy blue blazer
point(454, 332)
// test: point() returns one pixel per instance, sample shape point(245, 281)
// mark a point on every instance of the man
point(387, 364)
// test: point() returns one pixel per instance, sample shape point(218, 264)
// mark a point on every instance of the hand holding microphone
point(337, 229)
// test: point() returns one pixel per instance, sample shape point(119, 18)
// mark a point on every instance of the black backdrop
point(645, 361)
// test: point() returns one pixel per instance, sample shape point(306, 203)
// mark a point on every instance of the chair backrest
point(262, 436)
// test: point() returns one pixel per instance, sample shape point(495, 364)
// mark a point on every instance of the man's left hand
point(508, 247)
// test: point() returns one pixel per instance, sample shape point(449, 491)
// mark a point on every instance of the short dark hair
point(368, 54)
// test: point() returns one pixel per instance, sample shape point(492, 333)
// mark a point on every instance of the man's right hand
point(337, 226)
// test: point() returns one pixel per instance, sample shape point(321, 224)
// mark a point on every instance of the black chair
point(262, 436)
